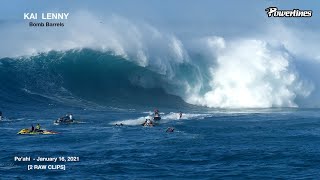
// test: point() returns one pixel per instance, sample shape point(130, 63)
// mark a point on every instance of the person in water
point(145, 122)
point(70, 117)
point(32, 128)
point(0, 115)
point(170, 129)
point(148, 122)
point(180, 115)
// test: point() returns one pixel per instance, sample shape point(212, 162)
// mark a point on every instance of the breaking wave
point(124, 63)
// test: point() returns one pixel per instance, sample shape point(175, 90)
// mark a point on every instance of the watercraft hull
point(56, 122)
point(29, 132)
point(157, 118)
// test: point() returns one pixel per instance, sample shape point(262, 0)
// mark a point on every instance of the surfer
point(0, 115)
point(32, 128)
point(180, 115)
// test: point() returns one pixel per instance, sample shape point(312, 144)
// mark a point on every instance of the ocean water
point(101, 90)
point(208, 144)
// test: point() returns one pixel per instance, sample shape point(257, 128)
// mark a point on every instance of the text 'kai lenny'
point(46, 16)
point(49, 17)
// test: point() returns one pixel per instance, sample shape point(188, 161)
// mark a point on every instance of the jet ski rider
point(38, 127)
point(156, 113)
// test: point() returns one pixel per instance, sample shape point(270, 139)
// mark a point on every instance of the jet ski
point(156, 117)
point(36, 132)
point(64, 121)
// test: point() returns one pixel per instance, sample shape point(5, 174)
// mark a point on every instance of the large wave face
point(123, 63)
point(107, 79)
point(82, 76)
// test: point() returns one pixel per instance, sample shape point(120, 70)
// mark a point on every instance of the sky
point(186, 19)
point(129, 27)
point(181, 16)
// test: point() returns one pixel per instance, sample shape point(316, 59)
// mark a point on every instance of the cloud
point(299, 41)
